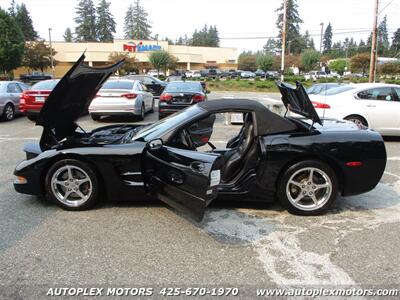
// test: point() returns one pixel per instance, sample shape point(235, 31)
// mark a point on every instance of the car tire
point(302, 195)
point(142, 111)
point(72, 185)
point(152, 106)
point(8, 112)
point(32, 118)
point(95, 117)
point(358, 120)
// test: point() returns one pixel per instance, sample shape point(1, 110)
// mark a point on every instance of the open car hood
point(296, 100)
point(69, 99)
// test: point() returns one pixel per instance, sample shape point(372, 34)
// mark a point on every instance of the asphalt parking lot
point(140, 244)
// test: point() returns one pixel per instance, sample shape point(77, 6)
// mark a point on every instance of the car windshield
point(183, 87)
point(118, 85)
point(158, 129)
point(44, 85)
point(339, 90)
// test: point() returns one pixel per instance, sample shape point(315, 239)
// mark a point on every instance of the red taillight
point(165, 97)
point(354, 164)
point(129, 96)
point(198, 98)
point(320, 105)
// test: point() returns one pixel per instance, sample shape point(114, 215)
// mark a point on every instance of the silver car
point(122, 97)
point(9, 98)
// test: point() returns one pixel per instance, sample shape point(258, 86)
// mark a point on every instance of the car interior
point(240, 152)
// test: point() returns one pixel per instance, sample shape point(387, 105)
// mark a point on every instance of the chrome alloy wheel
point(71, 185)
point(356, 121)
point(309, 189)
point(9, 112)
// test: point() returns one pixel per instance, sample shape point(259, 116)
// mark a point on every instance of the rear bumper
point(169, 109)
point(122, 108)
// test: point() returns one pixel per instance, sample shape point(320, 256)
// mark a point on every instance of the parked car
point(153, 84)
point(247, 74)
point(122, 97)
point(314, 75)
point(260, 73)
point(10, 92)
point(304, 166)
point(35, 76)
point(210, 73)
point(229, 73)
point(179, 95)
point(193, 74)
point(31, 101)
point(272, 74)
point(155, 73)
point(321, 88)
point(374, 105)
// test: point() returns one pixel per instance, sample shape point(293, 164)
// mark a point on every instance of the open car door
point(184, 179)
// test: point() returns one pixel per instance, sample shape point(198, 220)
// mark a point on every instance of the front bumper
point(28, 182)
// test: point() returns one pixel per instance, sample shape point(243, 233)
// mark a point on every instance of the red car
point(31, 101)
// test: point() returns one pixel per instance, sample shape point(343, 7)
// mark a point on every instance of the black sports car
point(302, 162)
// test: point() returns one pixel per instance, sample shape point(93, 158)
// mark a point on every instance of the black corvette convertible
point(303, 162)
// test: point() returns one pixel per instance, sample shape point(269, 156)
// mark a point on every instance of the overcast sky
point(234, 18)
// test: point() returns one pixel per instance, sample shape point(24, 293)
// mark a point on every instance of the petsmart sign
point(140, 47)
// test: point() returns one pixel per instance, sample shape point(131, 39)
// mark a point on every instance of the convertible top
point(266, 122)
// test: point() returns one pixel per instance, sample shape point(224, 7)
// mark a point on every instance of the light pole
point(322, 32)
point(283, 39)
point(156, 36)
point(51, 53)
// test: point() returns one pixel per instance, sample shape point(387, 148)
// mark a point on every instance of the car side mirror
point(155, 144)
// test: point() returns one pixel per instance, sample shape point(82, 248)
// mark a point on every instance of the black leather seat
point(235, 157)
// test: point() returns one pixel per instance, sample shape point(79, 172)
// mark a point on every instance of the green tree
point(389, 68)
point(25, 23)
point(130, 64)
point(68, 35)
point(265, 61)
point(270, 46)
point(309, 59)
point(105, 22)
point(159, 60)
point(137, 26)
point(294, 42)
point(12, 10)
point(327, 39)
point(383, 37)
point(85, 31)
point(360, 62)
point(11, 43)
point(37, 56)
point(247, 61)
point(338, 65)
point(207, 37)
point(395, 48)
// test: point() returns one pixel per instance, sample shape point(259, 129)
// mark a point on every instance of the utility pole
point(51, 53)
point(283, 39)
point(322, 32)
point(373, 45)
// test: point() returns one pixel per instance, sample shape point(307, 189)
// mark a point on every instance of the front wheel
point(308, 188)
point(8, 112)
point(142, 112)
point(72, 184)
point(358, 120)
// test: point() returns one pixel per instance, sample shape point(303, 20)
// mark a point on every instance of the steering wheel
point(188, 139)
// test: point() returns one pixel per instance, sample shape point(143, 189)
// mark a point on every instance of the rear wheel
point(95, 117)
point(308, 188)
point(142, 110)
point(358, 120)
point(152, 106)
point(8, 112)
point(72, 185)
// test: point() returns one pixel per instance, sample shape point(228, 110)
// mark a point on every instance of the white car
point(122, 97)
point(314, 75)
point(193, 74)
point(375, 105)
point(154, 73)
point(247, 74)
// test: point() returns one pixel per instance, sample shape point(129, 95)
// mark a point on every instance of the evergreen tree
point(270, 46)
point(105, 22)
point(137, 26)
point(396, 42)
point(67, 35)
point(25, 22)
point(383, 37)
point(362, 47)
point(207, 37)
point(85, 30)
point(327, 39)
point(293, 21)
point(11, 44)
point(12, 10)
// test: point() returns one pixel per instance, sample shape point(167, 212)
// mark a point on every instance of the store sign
point(140, 47)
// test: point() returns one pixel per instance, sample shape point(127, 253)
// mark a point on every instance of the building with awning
point(97, 54)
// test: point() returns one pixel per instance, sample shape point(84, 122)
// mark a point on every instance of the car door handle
point(371, 105)
point(197, 166)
